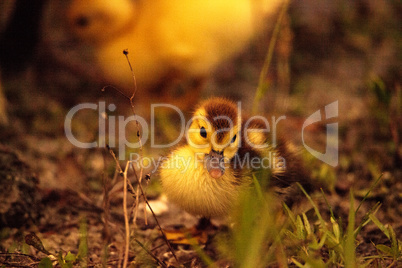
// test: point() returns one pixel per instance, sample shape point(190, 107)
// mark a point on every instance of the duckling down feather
point(185, 38)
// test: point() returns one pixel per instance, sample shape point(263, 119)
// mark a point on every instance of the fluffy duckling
point(206, 175)
point(166, 38)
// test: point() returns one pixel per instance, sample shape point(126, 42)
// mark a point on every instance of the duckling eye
point(233, 139)
point(82, 21)
point(203, 132)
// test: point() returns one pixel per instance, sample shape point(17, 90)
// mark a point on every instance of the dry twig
point(127, 182)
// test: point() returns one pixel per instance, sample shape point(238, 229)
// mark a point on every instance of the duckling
point(167, 39)
point(207, 174)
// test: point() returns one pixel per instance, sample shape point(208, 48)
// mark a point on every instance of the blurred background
point(56, 54)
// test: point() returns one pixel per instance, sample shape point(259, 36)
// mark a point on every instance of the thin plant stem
point(156, 220)
point(131, 99)
point(150, 253)
point(139, 178)
point(262, 87)
point(126, 224)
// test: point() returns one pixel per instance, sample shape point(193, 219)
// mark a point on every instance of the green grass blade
point(368, 192)
point(396, 253)
point(316, 210)
point(350, 248)
point(384, 229)
point(290, 214)
point(328, 205)
point(257, 188)
point(262, 85)
point(366, 219)
point(83, 246)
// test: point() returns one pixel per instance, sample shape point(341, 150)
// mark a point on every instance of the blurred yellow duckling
point(206, 175)
point(166, 38)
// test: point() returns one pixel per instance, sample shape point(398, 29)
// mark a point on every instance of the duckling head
point(214, 134)
point(96, 21)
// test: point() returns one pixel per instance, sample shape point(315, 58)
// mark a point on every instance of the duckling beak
point(215, 164)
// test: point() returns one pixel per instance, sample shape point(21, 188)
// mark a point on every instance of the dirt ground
point(345, 51)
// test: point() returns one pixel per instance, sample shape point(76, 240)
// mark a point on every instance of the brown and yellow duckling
point(168, 40)
point(206, 176)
